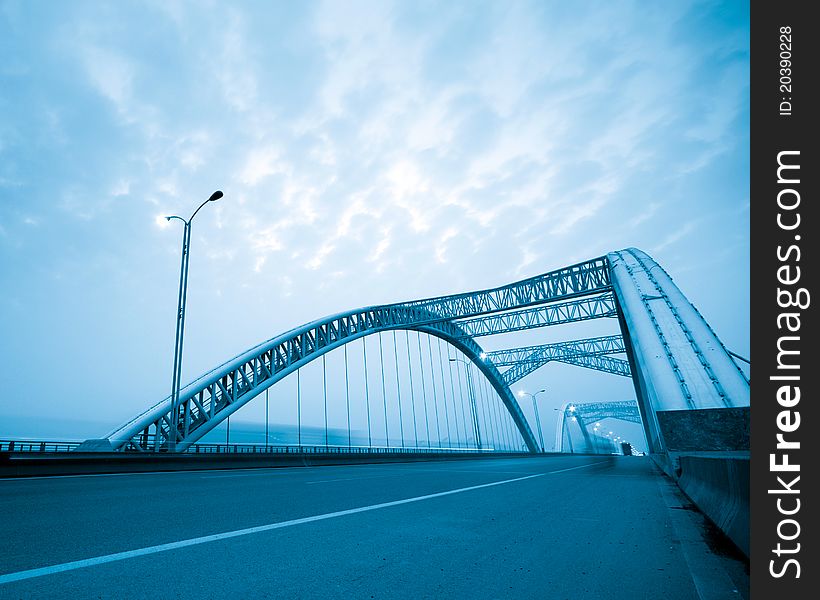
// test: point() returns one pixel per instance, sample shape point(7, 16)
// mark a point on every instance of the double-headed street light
point(173, 432)
point(521, 394)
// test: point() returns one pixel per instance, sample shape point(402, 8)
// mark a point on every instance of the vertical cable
point(384, 392)
point(267, 410)
point(423, 389)
point(501, 407)
point(514, 432)
point(488, 432)
point(494, 407)
point(324, 390)
point(508, 422)
point(435, 393)
point(367, 395)
point(444, 391)
point(299, 407)
point(473, 406)
point(347, 398)
point(487, 428)
point(461, 394)
point(412, 391)
point(504, 412)
point(398, 387)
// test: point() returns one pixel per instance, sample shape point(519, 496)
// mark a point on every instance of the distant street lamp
point(521, 394)
point(183, 296)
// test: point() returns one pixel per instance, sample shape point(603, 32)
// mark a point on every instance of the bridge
point(437, 527)
point(672, 355)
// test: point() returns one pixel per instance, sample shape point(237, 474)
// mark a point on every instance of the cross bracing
point(608, 344)
point(668, 346)
point(559, 313)
point(591, 353)
point(624, 410)
point(606, 364)
point(582, 279)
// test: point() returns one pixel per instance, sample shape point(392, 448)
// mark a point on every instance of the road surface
point(552, 527)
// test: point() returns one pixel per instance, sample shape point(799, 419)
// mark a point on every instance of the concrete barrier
point(719, 487)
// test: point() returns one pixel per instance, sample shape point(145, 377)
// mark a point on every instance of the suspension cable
point(435, 393)
point(324, 389)
point(347, 398)
point(444, 391)
point(412, 391)
point(367, 395)
point(423, 389)
point(398, 387)
point(384, 392)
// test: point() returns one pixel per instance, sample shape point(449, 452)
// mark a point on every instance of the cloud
point(675, 236)
point(259, 164)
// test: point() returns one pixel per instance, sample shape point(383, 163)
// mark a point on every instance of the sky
point(369, 152)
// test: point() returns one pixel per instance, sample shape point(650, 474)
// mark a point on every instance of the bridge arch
point(674, 358)
point(214, 396)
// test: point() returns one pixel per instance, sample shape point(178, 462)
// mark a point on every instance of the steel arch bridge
point(672, 355)
point(585, 413)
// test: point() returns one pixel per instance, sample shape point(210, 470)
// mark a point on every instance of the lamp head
point(215, 196)
point(168, 218)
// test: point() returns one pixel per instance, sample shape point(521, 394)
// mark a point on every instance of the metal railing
point(64, 446)
point(263, 449)
point(36, 446)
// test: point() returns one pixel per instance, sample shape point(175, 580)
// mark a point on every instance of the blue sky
point(369, 152)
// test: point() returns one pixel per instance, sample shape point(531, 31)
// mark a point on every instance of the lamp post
point(173, 432)
point(473, 408)
point(521, 394)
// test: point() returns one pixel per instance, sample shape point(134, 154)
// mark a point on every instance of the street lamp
point(521, 394)
point(183, 296)
point(473, 407)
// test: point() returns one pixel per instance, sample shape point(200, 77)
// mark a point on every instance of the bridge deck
point(554, 527)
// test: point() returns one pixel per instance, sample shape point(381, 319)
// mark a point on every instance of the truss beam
point(583, 309)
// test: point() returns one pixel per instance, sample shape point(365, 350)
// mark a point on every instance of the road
point(548, 527)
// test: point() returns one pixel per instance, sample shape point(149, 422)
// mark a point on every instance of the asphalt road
point(553, 527)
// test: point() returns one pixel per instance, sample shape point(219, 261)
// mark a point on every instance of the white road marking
point(117, 556)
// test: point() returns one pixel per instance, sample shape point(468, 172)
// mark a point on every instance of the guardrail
point(263, 449)
point(43, 446)
point(36, 446)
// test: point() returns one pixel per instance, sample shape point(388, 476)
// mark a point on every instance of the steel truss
point(591, 353)
point(211, 398)
point(573, 311)
point(673, 355)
